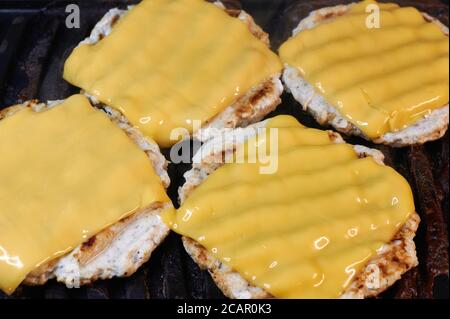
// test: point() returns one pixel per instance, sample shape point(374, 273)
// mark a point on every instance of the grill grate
point(34, 44)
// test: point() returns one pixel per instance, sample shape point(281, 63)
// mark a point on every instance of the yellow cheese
point(66, 173)
point(380, 79)
point(308, 229)
point(167, 63)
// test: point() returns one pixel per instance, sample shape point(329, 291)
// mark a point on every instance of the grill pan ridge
point(34, 43)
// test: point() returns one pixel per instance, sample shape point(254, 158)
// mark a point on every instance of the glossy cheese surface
point(167, 63)
point(66, 173)
point(308, 229)
point(380, 79)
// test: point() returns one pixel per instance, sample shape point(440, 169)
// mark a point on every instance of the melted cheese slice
point(66, 173)
point(380, 79)
point(305, 231)
point(167, 63)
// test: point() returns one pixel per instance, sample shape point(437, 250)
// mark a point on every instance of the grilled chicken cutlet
point(331, 221)
point(172, 67)
point(82, 192)
point(371, 69)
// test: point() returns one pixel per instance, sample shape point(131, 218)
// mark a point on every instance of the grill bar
point(436, 254)
point(9, 44)
point(31, 62)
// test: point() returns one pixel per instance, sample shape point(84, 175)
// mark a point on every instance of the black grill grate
point(34, 44)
